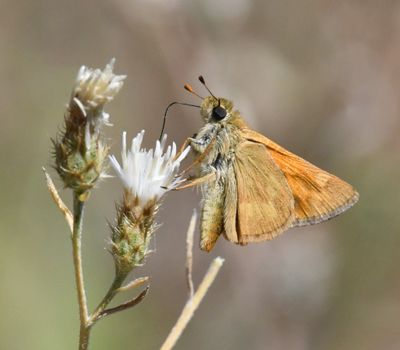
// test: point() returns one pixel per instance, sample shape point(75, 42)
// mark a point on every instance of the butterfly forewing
point(265, 202)
point(318, 195)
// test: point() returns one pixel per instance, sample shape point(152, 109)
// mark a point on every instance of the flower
point(148, 174)
point(94, 88)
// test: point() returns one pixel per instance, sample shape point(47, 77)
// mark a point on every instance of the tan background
point(320, 77)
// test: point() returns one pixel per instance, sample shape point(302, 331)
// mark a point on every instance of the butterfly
point(254, 189)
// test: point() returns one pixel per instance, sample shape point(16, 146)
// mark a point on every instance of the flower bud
point(130, 239)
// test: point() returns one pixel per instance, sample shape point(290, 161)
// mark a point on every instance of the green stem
point(84, 337)
point(117, 283)
point(80, 286)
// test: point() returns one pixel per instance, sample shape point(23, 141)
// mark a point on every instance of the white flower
point(94, 88)
point(148, 174)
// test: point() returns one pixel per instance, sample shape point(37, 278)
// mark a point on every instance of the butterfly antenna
point(205, 85)
point(166, 113)
point(190, 89)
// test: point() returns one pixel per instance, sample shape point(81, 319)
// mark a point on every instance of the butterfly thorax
point(219, 137)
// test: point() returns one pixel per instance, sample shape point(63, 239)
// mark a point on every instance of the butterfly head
point(212, 109)
point(215, 110)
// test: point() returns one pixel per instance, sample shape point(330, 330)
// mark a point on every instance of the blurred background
point(322, 78)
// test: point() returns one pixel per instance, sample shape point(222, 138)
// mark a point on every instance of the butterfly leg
point(197, 181)
point(196, 145)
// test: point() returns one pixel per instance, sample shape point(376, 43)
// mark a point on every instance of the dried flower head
point(80, 152)
point(93, 89)
point(146, 176)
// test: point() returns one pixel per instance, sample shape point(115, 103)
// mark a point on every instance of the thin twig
point(58, 201)
point(192, 304)
point(131, 303)
point(189, 253)
point(133, 284)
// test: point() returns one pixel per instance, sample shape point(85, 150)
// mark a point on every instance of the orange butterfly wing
point(264, 200)
point(318, 195)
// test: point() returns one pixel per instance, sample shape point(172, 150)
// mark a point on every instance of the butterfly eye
point(218, 113)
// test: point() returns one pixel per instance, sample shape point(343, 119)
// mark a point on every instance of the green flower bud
point(131, 235)
point(80, 167)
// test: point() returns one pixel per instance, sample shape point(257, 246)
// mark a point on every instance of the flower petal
point(148, 174)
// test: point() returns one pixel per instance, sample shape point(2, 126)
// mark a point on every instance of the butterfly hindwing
point(265, 202)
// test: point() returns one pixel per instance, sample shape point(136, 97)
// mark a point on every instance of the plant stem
point(117, 283)
point(192, 304)
point(189, 253)
point(77, 257)
point(84, 337)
